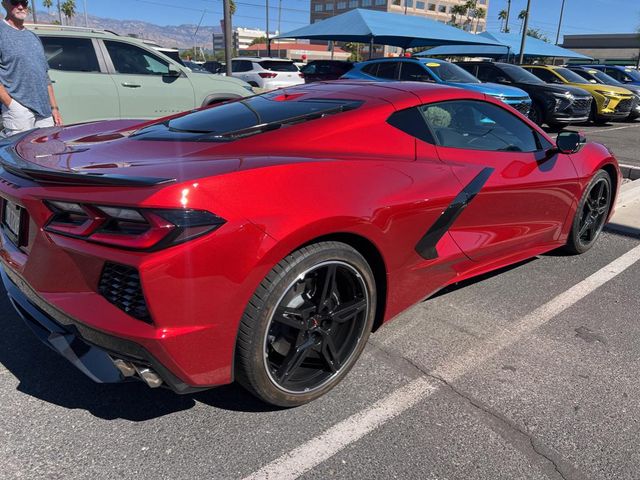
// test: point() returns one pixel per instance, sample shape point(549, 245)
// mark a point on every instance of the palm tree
point(232, 7)
point(69, 9)
point(521, 16)
point(470, 7)
point(502, 16)
point(455, 11)
point(47, 4)
point(480, 14)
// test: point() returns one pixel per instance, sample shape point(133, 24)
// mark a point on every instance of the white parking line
point(587, 132)
point(308, 455)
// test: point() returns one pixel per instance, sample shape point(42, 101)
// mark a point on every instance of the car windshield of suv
point(252, 115)
point(603, 77)
point(570, 76)
point(520, 75)
point(276, 66)
point(448, 72)
point(634, 74)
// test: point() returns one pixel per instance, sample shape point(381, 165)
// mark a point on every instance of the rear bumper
point(89, 350)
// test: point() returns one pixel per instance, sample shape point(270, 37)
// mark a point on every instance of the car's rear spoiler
point(16, 165)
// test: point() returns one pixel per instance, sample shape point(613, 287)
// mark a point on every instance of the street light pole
point(227, 36)
point(268, 39)
point(86, 17)
point(524, 33)
point(560, 22)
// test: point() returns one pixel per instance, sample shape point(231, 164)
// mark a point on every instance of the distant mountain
point(178, 36)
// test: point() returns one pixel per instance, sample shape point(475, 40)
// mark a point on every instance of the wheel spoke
point(294, 317)
point(593, 230)
point(585, 226)
point(328, 286)
point(348, 310)
point(330, 354)
point(600, 191)
point(294, 359)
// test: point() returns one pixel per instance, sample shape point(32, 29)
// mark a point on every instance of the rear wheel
point(594, 117)
point(591, 214)
point(306, 324)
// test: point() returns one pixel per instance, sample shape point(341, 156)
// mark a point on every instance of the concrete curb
point(626, 219)
point(630, 171)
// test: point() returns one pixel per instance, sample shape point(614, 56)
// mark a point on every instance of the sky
point(581, 16)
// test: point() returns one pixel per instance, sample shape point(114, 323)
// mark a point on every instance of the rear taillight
point(130, 228)
point(268, 74)
point(301, 75)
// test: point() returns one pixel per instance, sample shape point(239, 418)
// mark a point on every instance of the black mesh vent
point(120, 285)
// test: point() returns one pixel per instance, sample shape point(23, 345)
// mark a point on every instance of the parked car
point(596, 76)
point(195, 67)
point(214, 66)
point(262, 240)
point(609, 103)
point(100, 75)
point(624, 75)
point(318, 70)
point(265, 72)
point(437, 71)
point(554, 105)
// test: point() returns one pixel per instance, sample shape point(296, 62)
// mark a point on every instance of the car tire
point(306, 324)
point(594, 117)
point(591, 214)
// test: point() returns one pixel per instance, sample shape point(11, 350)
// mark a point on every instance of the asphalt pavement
point(526, 373)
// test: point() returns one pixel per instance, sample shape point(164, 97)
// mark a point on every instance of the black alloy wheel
point(306, 325)
point(592, 213)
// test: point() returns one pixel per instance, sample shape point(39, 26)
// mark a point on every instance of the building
point(439, 10)
point(615, 48)
point(242, 38)
point(299, 52)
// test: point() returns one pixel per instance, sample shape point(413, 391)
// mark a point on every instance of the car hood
point(108, 149)
point(592, 87)
point(493, 89)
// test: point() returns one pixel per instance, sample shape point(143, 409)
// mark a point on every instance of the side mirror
point(174, 71)
point(569, 142)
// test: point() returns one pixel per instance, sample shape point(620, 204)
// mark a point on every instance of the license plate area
point(14, 219)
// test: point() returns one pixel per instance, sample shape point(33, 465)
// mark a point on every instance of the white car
point(265, 72)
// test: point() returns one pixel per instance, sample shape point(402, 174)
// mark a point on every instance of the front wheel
point(306, 324)
point(591, 214)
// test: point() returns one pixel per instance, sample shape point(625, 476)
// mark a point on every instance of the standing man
point(26, 93)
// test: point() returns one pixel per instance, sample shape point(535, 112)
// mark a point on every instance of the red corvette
point(262, 240)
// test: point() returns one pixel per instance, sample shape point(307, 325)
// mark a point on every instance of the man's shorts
point(17, 118)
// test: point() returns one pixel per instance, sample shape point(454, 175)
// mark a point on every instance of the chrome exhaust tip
point(126, 369)
point(151, 378)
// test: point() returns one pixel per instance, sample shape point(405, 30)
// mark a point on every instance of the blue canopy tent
point(533, 48)
point(383, 28)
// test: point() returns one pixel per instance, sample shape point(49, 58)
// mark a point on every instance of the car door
point(517, 196)
point(84, 89)
point(145, 86)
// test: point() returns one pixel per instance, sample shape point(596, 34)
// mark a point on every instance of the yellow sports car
point(611, 102)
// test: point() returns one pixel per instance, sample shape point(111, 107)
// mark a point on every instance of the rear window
point(256, 114)
point(276, 66)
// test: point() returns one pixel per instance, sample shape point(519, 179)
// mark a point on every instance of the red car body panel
point(350, 175)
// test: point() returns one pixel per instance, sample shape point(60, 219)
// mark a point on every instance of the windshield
point(448, 72)
point(603, 77)
point(259, 113)
point(570, 76)
point(520, 75)
point(633, 74)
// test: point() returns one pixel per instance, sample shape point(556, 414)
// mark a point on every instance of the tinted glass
point(131, 60)
point(387, 70)
point(278, 66)
point(254, 111)
point(604, 78)
point(570, 76)
point(70, 54)
point(240, 65)
point(584, 75)
point(371, 69)
point(487, 73)
point(545, 75)
point(413, 72)
point(448, 72)
point(477, 125)
point(519, 74)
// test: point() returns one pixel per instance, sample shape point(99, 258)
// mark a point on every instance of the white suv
point(265, 72)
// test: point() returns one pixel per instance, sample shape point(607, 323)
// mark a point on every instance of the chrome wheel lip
point(346, 362)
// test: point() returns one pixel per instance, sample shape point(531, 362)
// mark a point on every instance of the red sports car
point(262, 240)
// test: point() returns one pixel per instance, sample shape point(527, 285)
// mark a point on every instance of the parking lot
point(530, 372)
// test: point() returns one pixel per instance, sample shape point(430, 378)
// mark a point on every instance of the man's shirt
point(24, 69)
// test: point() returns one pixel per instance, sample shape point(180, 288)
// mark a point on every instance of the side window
point(132, 60)
point(387, 70)
point(413, 72)
point(545, 75)
point(486, 73)
point(371, 69)
point(583, 74)
point(615, 73)
point(70, 54)
point(475, 125)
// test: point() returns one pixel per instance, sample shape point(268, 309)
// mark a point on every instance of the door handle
point(131, 85)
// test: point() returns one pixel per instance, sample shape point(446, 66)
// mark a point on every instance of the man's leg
point(16, 119)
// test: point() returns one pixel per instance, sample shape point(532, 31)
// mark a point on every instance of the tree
point(47, 4)
point(258, 40)
point(455, 11)
point(232, 7)
point(354, 49)
point(521, 16)
point(69, 9)
point(480, 14)
point(502, 16)
point(535, 33)
point(470, 7)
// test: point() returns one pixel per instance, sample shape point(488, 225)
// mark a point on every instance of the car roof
point(260, 59)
